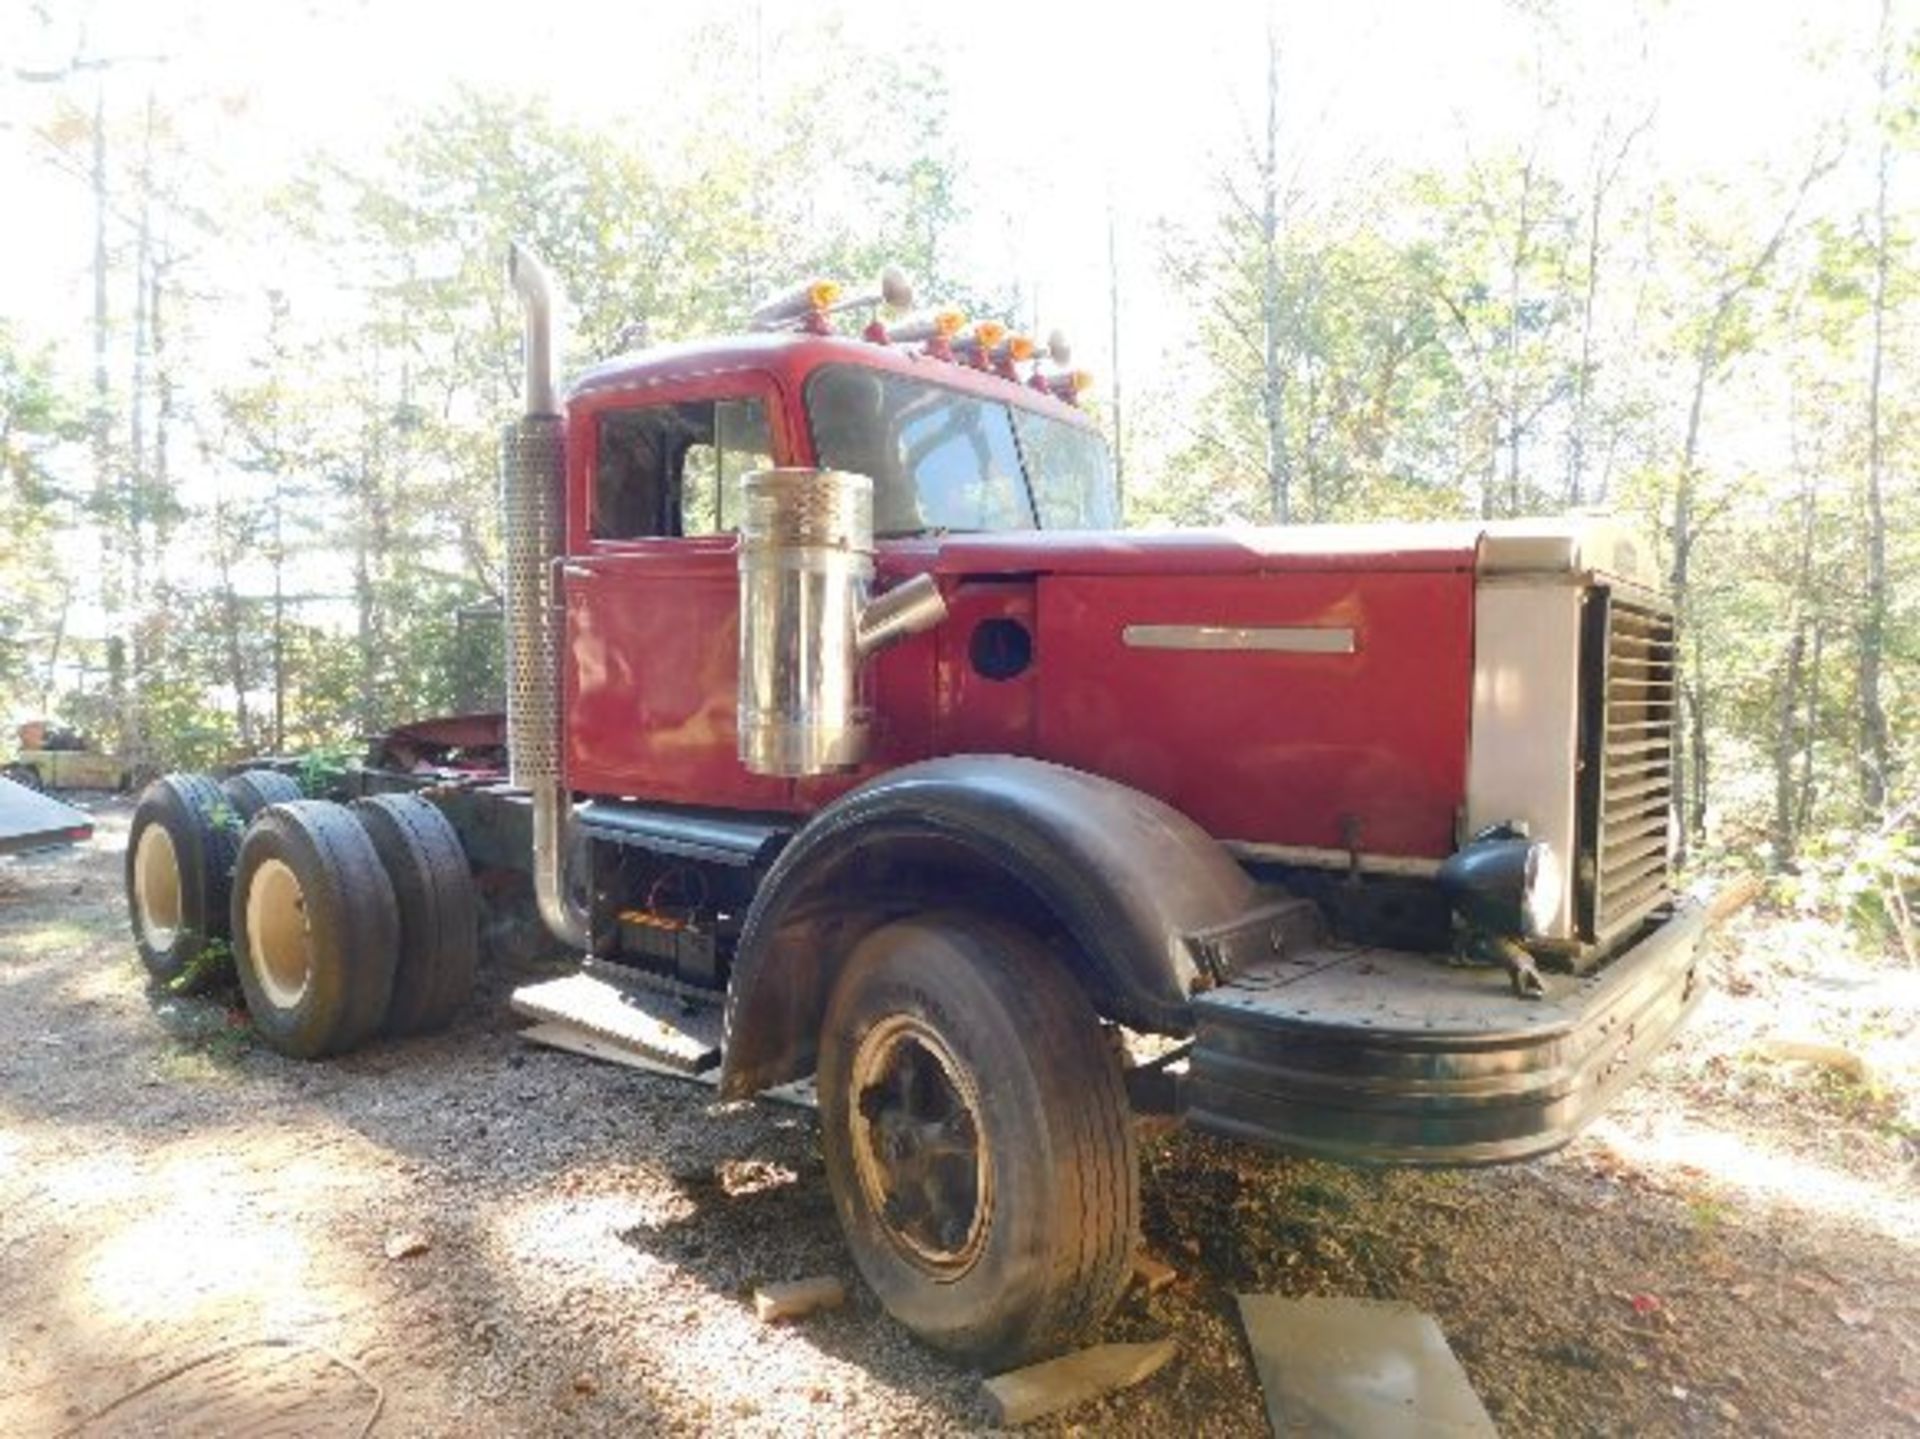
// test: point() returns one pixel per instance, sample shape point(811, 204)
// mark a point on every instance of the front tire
point(978, 1140)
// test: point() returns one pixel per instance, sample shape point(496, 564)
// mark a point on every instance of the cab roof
point(791, 357)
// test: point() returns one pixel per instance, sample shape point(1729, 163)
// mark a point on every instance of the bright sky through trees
point(1057, 107)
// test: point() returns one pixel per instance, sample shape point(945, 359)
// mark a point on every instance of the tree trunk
point(1119, 412)
point(1273, 388)
point(1583, 376)
point(134, 738)
point(54, 648)
point(1789, 740)
point(1678, 579)
point(1804, 812)
point(1873, 611)
point(223, 547)
point(279, 621)
point(1516, 274)
point(100, 421)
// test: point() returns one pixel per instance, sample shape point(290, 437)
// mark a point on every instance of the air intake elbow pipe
point(533, 519)
point(809, 621)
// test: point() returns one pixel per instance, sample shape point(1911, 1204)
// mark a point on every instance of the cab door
point(652, 586)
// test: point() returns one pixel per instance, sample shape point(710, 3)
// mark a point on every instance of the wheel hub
point(156, 887)
point(279, 941)
point(918, 1147)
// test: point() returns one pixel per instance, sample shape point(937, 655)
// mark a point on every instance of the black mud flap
point(1378, 1056)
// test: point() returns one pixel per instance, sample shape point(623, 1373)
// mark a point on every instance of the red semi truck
point(838, 705)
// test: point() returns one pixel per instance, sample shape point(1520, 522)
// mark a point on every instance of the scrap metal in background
point(30, 820)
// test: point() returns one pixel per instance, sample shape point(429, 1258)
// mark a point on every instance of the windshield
point(943, 461)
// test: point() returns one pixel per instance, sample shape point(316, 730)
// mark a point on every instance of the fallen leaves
point(406, 1244)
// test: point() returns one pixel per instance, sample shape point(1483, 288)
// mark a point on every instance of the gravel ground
point(1731, 1251)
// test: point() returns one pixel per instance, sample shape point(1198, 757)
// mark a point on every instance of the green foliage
point(323, 768)
point(213, 965)
point(312, 554)
point(34, 419)
point(1870, 881)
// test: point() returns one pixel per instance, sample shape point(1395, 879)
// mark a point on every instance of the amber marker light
point(942, 325)
point(805, 305)
point(1070, 385)
point(1011, 353)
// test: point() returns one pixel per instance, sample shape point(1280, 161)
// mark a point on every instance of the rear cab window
point(674, 469)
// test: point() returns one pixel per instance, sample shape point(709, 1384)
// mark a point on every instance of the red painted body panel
point(1367, 549)
point(978, 714)
point(1297, 749)
point(1328, 750)
point(653, 662)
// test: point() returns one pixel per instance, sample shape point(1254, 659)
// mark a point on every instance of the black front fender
point(1139, 893)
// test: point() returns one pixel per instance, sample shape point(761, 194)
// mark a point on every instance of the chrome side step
point(671, 1030)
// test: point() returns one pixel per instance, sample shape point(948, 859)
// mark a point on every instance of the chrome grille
point(1634, 795)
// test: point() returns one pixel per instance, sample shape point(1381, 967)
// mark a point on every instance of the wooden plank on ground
point(797, 1298)
point(1021, 1395)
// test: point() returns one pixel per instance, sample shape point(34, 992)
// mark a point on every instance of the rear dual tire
point(316, 930)
point(179, 868)
point(438, 908)
point(253, 790)
point(351, 921)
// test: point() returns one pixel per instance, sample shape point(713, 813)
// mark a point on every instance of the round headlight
point(1502, 882)
point(1546, 887)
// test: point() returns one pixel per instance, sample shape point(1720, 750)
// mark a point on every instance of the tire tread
point(439, 910)
point(1084, 1135)
point(357, 930)
point(199, 816)
point(253, 790)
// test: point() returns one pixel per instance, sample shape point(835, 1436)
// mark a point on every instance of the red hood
point(1429, 547)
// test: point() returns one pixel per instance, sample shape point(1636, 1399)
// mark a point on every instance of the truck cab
point(841, 713)
point(657, 445)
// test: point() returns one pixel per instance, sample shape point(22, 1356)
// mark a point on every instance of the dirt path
point(1733, 1251)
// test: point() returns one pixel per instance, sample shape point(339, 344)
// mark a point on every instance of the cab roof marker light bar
point(805, 307)
point(977, 346)
point(1058, 351)
point(1067, 386)
point(894, 291)
point(1014, 351)
point(932, 329)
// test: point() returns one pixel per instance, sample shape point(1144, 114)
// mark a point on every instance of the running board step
point(668, 1029)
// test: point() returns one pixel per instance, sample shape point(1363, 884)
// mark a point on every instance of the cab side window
point(665, 470)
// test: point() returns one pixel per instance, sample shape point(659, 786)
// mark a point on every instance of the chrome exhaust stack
point(808, 621)
point(533, 462)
